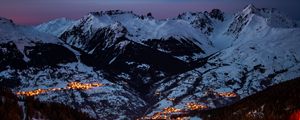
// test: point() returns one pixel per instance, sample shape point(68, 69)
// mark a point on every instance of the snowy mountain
point(110, 39)
point(33, 63)
point(56, 27)
point(24, 46)
point(260, 18)
point(242, 70)
point(276, 102)
point(158, 34)
point(119, 65)
point(261, 56)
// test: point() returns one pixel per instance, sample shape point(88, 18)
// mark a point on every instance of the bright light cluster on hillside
point(70, 86)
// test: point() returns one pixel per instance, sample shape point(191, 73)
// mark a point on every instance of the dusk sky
point(31, 12)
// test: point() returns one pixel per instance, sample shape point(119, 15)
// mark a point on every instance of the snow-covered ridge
point(273, 17)
point(202, 28)
point(139, 29)
point(55, 27)
point(112, 12)
point(142, 28)
point(9, 31)
point(23, 46)
point(23, 35)
point(203, 20)
point(262, 17)
point(4, 20)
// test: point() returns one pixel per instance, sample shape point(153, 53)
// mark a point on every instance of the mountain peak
point(55, 27)
point(62, 20)
point(250, 6)
point(250, 9)
point(5, 20)
point(118, 28)
point(110, 12)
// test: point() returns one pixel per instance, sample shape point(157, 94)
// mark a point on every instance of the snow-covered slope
point(22, 35)
point(55, 27)
point(110, 101)
point(261, 18)
point(22, 46)
point(203, 21)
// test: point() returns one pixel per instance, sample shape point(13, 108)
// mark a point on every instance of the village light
point(195, 106)
point(71, 85)
point(227, 94)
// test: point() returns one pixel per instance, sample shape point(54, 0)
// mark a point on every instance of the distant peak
point(61, 19)
point(5, 20)
point(250, 9)
point(116, 25)
point(251, 6)
point(190, 13)
point(111, 12)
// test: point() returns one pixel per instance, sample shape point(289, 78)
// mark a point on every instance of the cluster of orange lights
point(71, 85)
point(165, 114)
point(33, 92)
point(83, 86)
point(195, 106)
point(171, 99)
point(169, 111)
point(227, 94)
point(157, 93)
